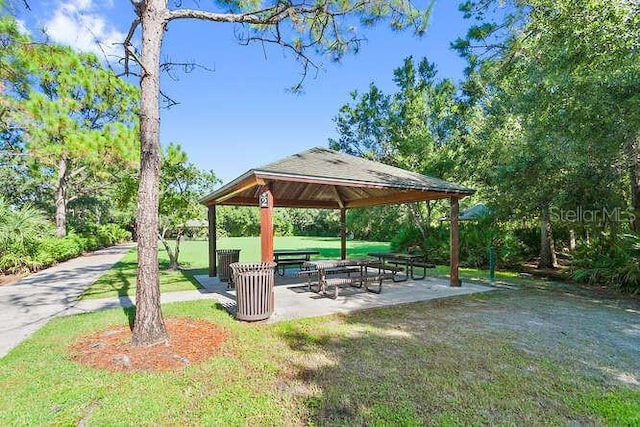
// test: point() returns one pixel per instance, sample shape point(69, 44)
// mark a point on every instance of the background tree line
point(547, 120)
point(69, 158)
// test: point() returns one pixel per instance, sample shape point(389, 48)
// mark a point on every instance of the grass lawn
point(475, 274)
point(536, 356)
point(121, 279)
point(435, 363)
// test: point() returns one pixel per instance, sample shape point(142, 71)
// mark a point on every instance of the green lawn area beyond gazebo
point(121, 279)
point(329, 247)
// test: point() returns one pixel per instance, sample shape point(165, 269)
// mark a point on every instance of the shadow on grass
point(130, 313)
point(121, 280)
point(189, 273)
point(117, 280)
point(359, 375)
point(448, 361)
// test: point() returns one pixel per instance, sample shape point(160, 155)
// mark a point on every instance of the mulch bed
point(7, 279)
point(191, 341)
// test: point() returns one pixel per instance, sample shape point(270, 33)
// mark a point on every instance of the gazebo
point(327, 179)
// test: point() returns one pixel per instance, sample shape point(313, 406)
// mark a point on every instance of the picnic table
point(284, 258)
point(403, 260)
point(354, 272)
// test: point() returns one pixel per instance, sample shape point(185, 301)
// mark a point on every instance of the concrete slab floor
point(293, 300)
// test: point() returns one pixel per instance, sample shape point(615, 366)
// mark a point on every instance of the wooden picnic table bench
point(404, 262)
point(323, 268)
point(284, 258)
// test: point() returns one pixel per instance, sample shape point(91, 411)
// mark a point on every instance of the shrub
point(510, 250)
point(110, 234)
point(15, 263)
point(20, 233)
point(56, 249)
point(609, 259)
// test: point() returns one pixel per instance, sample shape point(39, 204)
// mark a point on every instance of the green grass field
point(406, 365)
point(121, 279)
point(433, 363)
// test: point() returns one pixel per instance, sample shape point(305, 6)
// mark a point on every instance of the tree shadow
point(130, 313)
point(118, 280)
point(463, 360)
point(190, 273)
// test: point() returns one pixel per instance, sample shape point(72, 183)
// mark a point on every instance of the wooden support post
point(343, 233)
point(266, 224)
point(455, 243)
point(213, 267)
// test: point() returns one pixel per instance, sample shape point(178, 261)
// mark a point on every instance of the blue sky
point(240, 115)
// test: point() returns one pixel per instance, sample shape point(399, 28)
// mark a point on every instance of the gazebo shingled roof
point(323, 178)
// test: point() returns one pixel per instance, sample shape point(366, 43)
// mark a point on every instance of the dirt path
point(566, 323)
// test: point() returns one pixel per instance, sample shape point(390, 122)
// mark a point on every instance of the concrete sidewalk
point(293, 300)
point(30, 303)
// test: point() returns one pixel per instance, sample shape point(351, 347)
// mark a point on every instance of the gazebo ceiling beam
point(403, 197)
point(338, 196)
point(299, 190)
point(282, 203)
point(252, 182)
point(385, 199)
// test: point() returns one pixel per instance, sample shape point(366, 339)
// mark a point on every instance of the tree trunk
point(173, 255)
point(572, 240)
point(547, 248)
point(634, 155)
point(61, 198)
point(175, 264)
point(149, 328)
point(419, 220)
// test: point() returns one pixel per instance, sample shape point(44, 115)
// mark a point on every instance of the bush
point(609, 259)
point(475, 240)
point(33, 252)
point(111, 234)
point(16, 262)
point(56, 249)
point(510, 250)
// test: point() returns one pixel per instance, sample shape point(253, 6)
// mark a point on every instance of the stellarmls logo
point(580, 214)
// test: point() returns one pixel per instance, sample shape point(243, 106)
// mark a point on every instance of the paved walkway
point(30, 303)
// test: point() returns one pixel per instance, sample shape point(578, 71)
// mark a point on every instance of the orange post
point(266, 224)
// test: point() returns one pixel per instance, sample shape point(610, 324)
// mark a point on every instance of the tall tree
point(13, 67)
point(300, 27)
point(414, 128)
point(76, 117)
point(182, 185)
point(79, 120)
point(567, 74)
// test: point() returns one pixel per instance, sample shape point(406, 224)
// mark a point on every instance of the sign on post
point(264, 200)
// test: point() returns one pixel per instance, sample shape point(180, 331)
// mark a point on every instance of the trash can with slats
point(254, 290)
point(225, 258)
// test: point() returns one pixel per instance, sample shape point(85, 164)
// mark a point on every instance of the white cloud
point(22, 27)
point(78, 24)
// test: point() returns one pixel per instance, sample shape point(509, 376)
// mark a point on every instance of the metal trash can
point(254, 290)
point(225, 258)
